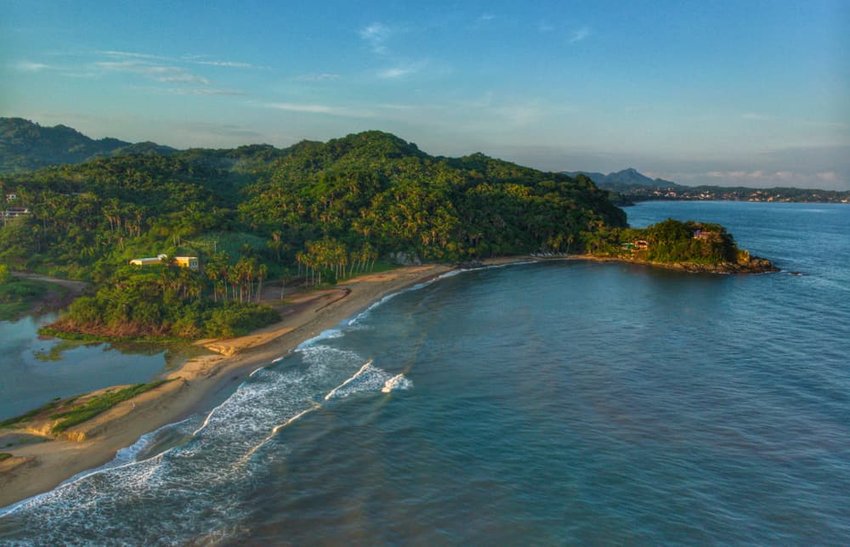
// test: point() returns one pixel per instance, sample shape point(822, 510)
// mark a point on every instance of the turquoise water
point(33, 370)
point(554, 403)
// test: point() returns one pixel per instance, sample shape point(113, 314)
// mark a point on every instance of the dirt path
point(75, 287)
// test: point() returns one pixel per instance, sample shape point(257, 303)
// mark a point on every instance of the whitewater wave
point(369, 378)
point(399, 381)
point(328, 334)
point(201, 484)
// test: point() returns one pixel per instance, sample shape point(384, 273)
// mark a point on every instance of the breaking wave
point(193, 478)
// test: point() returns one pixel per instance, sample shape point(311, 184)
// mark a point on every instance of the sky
point(738, 92)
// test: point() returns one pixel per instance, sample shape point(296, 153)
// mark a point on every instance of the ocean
point(556, 403)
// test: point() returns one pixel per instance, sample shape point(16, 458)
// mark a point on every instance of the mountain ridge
point(27, 146)
point(629, 185)
point(623, 179)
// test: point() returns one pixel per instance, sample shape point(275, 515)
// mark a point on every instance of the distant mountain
point(624, 181)
point(629, 185)
point(26, 146)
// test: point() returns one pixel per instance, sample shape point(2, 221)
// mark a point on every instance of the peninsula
point(203, 244)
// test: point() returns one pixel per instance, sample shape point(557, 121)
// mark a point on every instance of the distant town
point(685, 193)
point(629, 185)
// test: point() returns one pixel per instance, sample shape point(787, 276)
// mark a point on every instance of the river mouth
point(36, 370)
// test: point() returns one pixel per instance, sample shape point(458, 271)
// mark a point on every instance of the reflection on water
point(35, 370)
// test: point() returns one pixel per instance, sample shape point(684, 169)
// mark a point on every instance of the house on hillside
point(15, 212)
point(190, 262)
point(151, 261)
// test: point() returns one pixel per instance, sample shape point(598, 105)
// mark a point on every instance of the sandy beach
point(40, 466)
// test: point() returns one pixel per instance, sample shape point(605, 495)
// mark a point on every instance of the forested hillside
point(25, 146)
point(370, 190)
point(255, 213)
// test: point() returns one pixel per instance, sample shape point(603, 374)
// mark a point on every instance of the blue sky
point(718, 92)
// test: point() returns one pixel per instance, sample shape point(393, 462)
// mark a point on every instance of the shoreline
point(200, 383)
point(754, 267)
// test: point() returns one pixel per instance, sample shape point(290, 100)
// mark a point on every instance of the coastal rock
point(756, 264)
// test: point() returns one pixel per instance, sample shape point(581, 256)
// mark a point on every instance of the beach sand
point(198, 384)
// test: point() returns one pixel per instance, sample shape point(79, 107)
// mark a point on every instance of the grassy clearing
point(4, 456)
point(9, 422)
point(99, 404)
point(17, 296)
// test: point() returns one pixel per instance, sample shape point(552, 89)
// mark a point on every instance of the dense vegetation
point(691, 245)
point(161, 301)
point(321, 210)
point(25, 146)
point(16, 295)
point(255, 213)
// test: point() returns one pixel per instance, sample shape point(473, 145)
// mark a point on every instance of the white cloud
point(329, 110)
point(756, 116)
point(205, 60)
point(376, 36)
point(396, 72)
point(131, 54)
point(160, 73)
point(203, 91)
point(193, 59)
point(28, 66)
point(228, 64)
point(579, 34)
point(318, 77)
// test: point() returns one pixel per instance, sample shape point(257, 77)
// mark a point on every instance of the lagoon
point(35, 370)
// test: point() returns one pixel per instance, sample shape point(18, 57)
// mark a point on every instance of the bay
point(564, 402)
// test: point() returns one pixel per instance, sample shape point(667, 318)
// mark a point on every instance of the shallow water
point(556, 403)
point(33, 371)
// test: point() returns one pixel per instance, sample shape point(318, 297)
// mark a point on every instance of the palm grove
point(317, 211)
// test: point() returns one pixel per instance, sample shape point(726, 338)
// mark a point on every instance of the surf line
point(315, 406)
point(363, 369)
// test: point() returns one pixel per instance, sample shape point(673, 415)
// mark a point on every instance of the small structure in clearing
point(159, 259)
point(190, 262)
point(15, 212)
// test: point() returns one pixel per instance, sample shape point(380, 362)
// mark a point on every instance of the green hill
point(26, 146)
point(367, 190)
